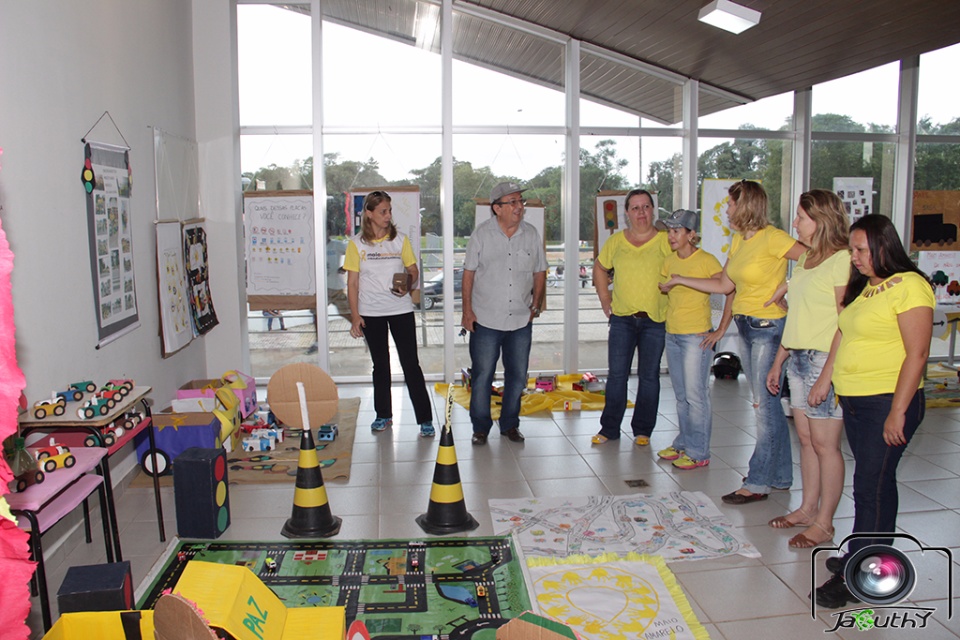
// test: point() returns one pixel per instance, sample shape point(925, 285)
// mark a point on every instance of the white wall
point(64, 64)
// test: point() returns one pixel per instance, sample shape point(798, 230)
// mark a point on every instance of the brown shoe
point(479, 438)
point(514, 435)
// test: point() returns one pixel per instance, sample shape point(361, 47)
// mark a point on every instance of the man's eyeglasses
point(512, 203)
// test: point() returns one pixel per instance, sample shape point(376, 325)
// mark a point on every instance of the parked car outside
point(432, 291)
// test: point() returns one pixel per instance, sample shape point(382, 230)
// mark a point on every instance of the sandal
point(740, 498)
point(801, 541)
point(783, 522)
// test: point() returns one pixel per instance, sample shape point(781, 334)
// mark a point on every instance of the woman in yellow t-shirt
point(886, 325)
point(635, 311)
point(688, 321)
point(755, 268)
point(815, 292)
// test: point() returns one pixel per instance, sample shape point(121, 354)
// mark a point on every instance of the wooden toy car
point(70, 395)
point(24, 480)
point(327, 432)
point(53, 456)
point(121, 385)
point(94, 407)
point(84, 385)
point(131, 419)
point(108, 435)
point(54, 448)
point(52, 407)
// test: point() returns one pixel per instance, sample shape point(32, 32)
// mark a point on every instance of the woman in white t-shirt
point(815, 293)
point(381, 267)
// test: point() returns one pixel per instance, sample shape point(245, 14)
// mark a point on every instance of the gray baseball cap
point(503, 189)
point(680, 218)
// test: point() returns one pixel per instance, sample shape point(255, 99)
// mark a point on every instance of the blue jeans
point(690, 373)
point(771, 466)
point(486, 346)
point(875, 497)
point(626, 336)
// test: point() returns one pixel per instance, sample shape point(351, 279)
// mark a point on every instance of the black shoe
point(834, 593)
point(479, 438)
point(514, 435)
point(836, 564)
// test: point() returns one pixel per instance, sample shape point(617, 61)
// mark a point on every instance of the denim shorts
point(803, 369)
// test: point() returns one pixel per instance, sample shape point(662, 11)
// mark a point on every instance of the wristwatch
point(536, 310)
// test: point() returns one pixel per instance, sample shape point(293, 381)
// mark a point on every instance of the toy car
point(53, 407)
point(270, 564)
point(53, 463)
point(481, 591)
point(121, 385)
point(254, 443)
point(70, 395)
point(112, 396)
point(547, 383)
point(94, 407)
point(327, 432)
point(268, 432)
point(84, 385)
point(54, 448)
point(131, 419)
point(24, 480)
point(108, 435)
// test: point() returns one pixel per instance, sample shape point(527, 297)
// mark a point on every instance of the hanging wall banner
point(107, 181)
point(175, 315)
point(281, 260)
point(198, 276)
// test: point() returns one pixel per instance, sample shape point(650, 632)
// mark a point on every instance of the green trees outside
point(937, 168)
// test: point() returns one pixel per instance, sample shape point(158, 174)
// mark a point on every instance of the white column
point(450, 326)
point(319, 185)
point(691, 127)
point(800, 167)
point(570, 206)
point(906, 148)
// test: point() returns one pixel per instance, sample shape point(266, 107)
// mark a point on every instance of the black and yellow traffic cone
point(447, 512)
point(311, 512)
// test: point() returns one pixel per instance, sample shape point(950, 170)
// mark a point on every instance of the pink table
point(43, 505)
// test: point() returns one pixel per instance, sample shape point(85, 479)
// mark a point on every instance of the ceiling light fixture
point(729, 16)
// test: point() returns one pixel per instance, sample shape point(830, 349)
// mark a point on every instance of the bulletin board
point(856, 195)
point(280, 249)
point(611, 216)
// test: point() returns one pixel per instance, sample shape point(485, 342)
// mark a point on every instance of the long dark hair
point(887, 255)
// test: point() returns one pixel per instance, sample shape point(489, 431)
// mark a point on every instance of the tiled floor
point(734, 597)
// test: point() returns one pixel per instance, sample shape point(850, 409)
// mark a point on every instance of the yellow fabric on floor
point(534, 402)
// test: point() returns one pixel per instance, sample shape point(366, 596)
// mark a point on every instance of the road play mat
point(681, 525)
point(444, 587)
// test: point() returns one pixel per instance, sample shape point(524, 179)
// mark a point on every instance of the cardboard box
point(175, 432)
point(319, 388)
point(102, 625)
point(97, 587)
point(200, 395)
point(530, 626)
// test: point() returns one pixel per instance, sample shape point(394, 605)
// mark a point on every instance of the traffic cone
point(447, 512)
point(311, 513)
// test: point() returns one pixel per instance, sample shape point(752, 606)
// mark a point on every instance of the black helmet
point(726, 366)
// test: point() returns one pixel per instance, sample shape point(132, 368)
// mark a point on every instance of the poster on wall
point(857, 196)
point(198, 276)
point(176, 326)
point(936, 215)
point(714, 227)
point(611, 217)
point(107, 180)
point(279, 238)
point(943, 267)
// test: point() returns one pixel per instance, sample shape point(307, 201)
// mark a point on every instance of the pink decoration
point(15, 565)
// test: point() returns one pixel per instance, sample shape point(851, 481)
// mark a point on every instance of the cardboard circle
point(320, 390)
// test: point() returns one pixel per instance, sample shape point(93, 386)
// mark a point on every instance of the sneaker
point(834, 594)
point(686, 462)
point(381, 423)
point(642, 441)
point(669, 454)
point(427, 430)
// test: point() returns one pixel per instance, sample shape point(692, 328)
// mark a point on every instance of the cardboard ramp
point(234, 599)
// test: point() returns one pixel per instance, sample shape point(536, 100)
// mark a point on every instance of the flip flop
point(782, 522)
point(739, 498)
point(801, 541)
